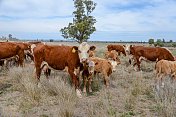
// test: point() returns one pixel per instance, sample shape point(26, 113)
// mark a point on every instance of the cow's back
point(57, 57)
point(8, 49)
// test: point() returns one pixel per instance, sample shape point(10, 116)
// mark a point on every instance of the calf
point(112, 57)
point(164, 68)
point(87, 75)
point(104, 67)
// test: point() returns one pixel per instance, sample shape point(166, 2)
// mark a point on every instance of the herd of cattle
point(82, 60)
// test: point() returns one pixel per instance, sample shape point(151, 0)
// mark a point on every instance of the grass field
point(131, 93)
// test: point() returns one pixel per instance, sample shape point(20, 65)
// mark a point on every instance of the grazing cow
point(58, 57)
point(27, 49)
point(118, 48)
point(8, 50)
point(164, 68)
point(104, 67)
point(149, 53)
point(91, 51)
point(112, 55)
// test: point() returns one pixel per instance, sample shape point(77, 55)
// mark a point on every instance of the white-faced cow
point(59, 57)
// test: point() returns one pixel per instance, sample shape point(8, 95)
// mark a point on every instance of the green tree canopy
point(151, 41)
point(83, 23)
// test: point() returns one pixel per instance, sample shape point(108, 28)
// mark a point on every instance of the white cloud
point(112, 16)
point(157, 17)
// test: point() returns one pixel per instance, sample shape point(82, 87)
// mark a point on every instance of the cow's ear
point(74, 49)
point(92, 48)
point(96, 63)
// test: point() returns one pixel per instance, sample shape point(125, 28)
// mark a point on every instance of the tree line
point(162, 42)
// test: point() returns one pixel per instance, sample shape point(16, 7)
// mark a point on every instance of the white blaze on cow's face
point(127, 49)
point(91, 66)
point(114, 64)
point(83, 51)
point(32, 48)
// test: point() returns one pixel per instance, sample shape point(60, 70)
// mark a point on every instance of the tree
point(83, 23)
point(163, 40)
point(159, 42)
point(10, 36)
point(151, 41)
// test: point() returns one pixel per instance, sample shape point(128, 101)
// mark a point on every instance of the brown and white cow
point(118, 48)
point(8, 50)
point(164, 68)
point(58, 57)
point(104, 67)
point(112, 57)
point(27, 49)
point(149, 53)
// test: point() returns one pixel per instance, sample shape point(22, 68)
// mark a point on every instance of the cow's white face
point(91, 67)
point(127, 49)
point(114, 64)
point(83, 51)
point(32, 48)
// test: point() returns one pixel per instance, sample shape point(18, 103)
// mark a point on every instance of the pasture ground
point(131, 93)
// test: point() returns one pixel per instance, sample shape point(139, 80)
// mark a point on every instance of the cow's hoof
point(78, 93)
point(90, 90)
point(84, 90)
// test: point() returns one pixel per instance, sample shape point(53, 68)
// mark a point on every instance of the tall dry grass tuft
point(64, 95)
point(103, 106)
point(166, 99)
point(23, 81)
point(48, 92)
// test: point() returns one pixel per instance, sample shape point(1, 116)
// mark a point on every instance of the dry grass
point(130, 94)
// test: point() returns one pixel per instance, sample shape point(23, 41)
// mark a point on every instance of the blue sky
point(126, 20)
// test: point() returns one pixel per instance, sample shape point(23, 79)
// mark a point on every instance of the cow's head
point(127, 48)
point(110, 47)
point(91, 67)
point(83, 51)
point(112, 58)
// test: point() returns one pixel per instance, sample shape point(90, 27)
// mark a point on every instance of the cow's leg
point(46, 70)
point(162, 83)
point(85, 83)
point(38, 63)
point(75, 82)
point(124, 53)
point(157, 81)
point(173, 77)
point(21, 57)
point(106, 81)
point(119, 53)
point(138, 62)
point(89, 84)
